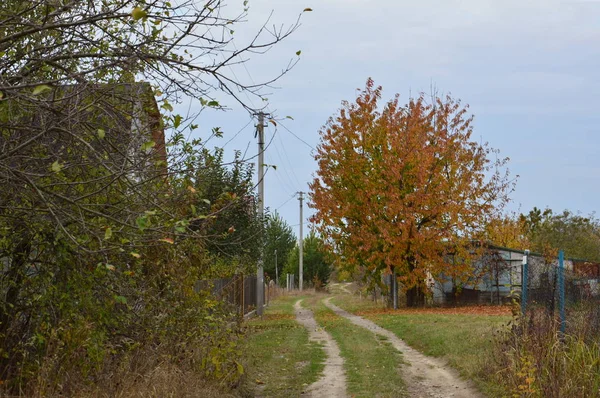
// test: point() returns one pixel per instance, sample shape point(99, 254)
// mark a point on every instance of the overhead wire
point(285, 170)
point(288, 185)
point(299, 184)
point(294, 134)
point(286, 181)
point(239, 131)
point(304, 223)
point(233, 72)
point(286, 202)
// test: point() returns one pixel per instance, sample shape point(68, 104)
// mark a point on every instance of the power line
point(297, 180)
point(289, 179)
point(285, 169)
point(304, 223)
point(238, 133)
point(233, 72)
point(287, 184)
point(287, 159)
point(286, 202)
point(292, 133)
point(276, 149)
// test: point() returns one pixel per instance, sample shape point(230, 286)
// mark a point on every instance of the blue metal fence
point(569, 298)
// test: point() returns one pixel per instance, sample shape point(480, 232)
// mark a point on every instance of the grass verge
point(372, 365)
point(465, 341)
point(280, 360)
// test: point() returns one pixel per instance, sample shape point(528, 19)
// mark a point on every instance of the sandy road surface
point(333, 382)
point(425, 377)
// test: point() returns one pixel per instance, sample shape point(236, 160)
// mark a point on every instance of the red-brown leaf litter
point(468, 310)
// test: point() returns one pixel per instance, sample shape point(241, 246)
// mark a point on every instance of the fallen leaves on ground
point(467, 310)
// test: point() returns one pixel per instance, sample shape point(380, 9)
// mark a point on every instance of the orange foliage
point(509, 231)
point(406, 186)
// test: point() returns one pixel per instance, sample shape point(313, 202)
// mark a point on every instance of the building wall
point(486, 289)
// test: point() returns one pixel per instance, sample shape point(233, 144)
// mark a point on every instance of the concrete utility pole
point(300, 244)
point(276, 273)
point(260, 284)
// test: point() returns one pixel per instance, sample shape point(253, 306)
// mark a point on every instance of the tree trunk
point(393, 291)
point(390, 292)
point(395, 285)
point(415, 297)
point(13, 277)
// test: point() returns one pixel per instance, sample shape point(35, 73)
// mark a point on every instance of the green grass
point(372, 365)
point(280, 360)
point(353, 303)
point(465, 341)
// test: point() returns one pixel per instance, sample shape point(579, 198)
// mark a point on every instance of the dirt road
point(425, 377)
point(333, 382)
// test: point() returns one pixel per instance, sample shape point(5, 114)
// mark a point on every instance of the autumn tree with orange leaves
point(405, 189)
point(508, 230)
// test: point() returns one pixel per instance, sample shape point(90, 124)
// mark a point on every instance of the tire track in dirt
point(425, 377)
point(333, 381)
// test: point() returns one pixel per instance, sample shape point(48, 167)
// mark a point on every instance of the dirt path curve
point(333, 381)
point(425, 377)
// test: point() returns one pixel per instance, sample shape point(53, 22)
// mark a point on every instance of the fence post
point(243, 295)
point(561, 291)
point(395, 288)
point(524, 281)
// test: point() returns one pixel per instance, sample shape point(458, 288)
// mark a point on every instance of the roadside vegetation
point(534, 359)
point(280, 360)
point(115, 211)
point(317, 263)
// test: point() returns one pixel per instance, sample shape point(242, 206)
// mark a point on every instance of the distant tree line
point(538, 230)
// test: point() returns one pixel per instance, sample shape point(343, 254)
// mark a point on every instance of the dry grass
point(145, 375)
point(165, 381)
point(533, 359)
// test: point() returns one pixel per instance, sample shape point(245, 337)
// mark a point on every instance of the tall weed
point(533, 359)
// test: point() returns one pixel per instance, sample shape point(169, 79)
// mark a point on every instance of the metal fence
point(569, 296)
point(239, 291)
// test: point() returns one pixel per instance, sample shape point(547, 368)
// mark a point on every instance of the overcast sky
point(529, 71)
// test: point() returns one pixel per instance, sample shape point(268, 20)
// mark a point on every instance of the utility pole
point(276, 273)
point(300, 244)
point(260, 284)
